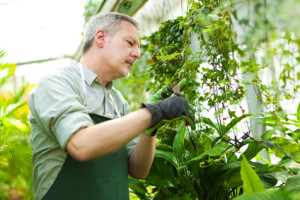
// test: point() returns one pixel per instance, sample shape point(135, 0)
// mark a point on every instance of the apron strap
point(109, 97)
point(82, 77)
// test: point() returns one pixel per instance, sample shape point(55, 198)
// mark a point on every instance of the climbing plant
point(215, 47)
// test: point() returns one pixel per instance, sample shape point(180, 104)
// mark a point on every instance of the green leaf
point(268, 134)
point(12, 108)
point(251, 181)
point(15, 123)
point(137, 187)
point(215, 151)
point(295, 135)
point(293, 184)
point(178, 143)
point(198, 157)
point(168, 156)
point(269, 179)
point(287, 146)
point(232, 178)
point(289, 165)
point(252, 150)
point(209, 122)
point(269, 195)
point(19, 93)
point(276, 126)
point(232, 113)
point(231, 165)
point(234, 121)
point(161, 174)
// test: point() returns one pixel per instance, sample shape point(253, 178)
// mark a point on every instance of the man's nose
point(136, 53)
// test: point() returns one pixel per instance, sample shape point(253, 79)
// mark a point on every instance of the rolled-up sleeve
point(58, 105)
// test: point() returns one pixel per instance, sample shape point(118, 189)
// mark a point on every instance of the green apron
point(104, 178)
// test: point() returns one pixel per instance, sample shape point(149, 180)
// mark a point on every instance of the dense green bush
point(216, 50)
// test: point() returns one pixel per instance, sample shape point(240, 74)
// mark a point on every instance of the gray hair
point(109, 22)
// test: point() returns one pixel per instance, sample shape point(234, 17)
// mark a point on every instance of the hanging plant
point(205, 48)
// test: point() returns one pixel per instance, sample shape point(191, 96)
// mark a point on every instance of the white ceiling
point(32, 30)
point(39, 29)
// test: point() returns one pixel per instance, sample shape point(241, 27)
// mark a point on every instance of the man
point(74, 155)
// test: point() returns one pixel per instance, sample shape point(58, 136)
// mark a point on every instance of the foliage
point(15, 152)
point(216, 47)
point(251, 181)
point(90, 9)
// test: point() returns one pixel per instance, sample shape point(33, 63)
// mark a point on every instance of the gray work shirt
point(59, 107)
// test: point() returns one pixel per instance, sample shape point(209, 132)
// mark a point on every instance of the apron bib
point(104, 178)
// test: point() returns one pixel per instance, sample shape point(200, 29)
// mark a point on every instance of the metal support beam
point(130, 7)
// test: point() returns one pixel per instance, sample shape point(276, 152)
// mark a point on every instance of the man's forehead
point(129, 31)
point(129, 26)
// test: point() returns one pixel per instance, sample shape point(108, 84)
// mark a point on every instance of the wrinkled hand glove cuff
point(155, 112)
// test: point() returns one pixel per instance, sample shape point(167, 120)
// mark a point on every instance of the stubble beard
point(126, 73)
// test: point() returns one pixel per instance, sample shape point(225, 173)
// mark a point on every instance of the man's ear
point(100, 38)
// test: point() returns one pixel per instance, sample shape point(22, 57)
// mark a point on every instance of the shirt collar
point(90, 76)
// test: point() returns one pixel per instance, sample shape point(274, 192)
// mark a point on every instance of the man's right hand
point(161, 94)
point(174, 107)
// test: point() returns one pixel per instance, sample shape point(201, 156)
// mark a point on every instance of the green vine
point(223, 53)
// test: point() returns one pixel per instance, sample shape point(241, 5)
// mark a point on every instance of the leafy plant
point(220, 159)
point(15, 152)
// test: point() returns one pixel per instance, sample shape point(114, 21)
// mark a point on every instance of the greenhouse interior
point(210, 109)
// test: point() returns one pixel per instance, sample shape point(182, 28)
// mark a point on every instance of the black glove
point(174, 107)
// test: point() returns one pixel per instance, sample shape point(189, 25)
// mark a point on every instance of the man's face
point(122, 49)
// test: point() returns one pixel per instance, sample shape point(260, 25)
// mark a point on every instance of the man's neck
point(97, 68)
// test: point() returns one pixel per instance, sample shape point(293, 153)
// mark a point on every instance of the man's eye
point(130, 43)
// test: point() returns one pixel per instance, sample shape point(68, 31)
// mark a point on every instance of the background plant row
point(222, 53)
